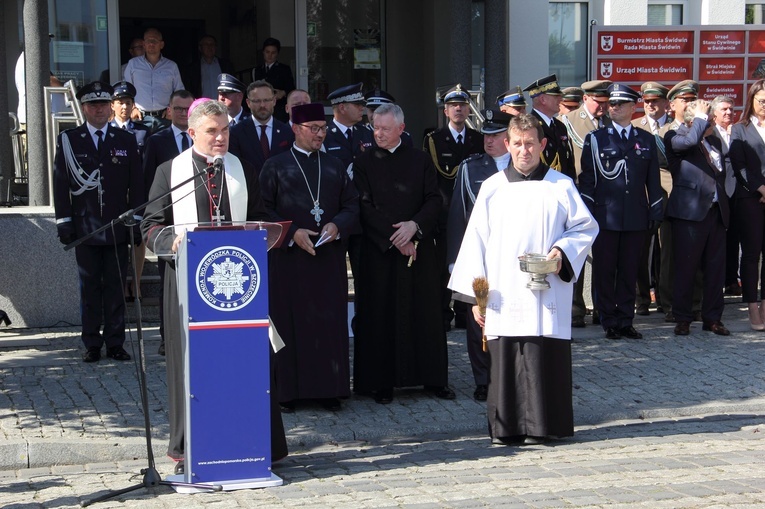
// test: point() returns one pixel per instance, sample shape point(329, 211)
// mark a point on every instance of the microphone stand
point(151, 477)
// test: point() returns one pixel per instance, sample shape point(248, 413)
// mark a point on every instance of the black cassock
point(308, 295)
point(156, 217)
point(400, 340)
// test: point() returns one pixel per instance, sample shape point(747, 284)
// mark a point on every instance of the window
point(568, 33)
point(754, 14)
point(665, 14)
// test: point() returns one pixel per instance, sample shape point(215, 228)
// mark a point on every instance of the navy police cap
point(622, 93)
point(347, 94)
point(94, 92)
point(228, 83)
point(123, 89)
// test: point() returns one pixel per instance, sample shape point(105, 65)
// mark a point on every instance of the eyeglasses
point(315, 128)
point(260, 101)
point(761, 102)
point(180, 109)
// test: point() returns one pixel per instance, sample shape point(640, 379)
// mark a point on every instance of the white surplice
point(513, 218)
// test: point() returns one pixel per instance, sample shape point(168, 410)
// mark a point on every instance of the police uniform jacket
point(140, 131)
point(337, 144)
point(631, 198)
point(244, 142)
point(579, 124)
point(694, 180)
point(472, 173)
point(121, 182)
point(558, 143)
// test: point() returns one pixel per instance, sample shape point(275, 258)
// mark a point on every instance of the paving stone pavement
point(661, 422)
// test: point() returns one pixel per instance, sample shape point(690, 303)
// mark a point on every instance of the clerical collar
point(514, 175)
point(202, 156)
point(547, 120)
point(304, 152)
point(391, 150)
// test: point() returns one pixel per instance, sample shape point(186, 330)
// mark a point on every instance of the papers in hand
point(324, 238)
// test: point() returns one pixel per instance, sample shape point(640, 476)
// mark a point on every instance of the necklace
point(218, 217)
point(316, 210)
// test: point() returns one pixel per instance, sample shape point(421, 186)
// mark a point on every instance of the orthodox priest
point(232, 194)
point(528, 331)
point(400, 340)
point(308, 287)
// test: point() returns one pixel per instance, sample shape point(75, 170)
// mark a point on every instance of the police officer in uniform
point(448, 147)
point(512, 102)
point(97, 177)
point(545, 99)
point(346, 135)
point(471, 174)
point(123, 103)
point(620, 185)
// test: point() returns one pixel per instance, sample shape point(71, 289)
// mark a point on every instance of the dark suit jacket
point(747, 157)
point(192, 75)
point(244, 142)
point(161, 147)
point(631, 199)
point(694, 179)
point(280, 77)
point(337, 144)
point(558, 143)
point(120, 165)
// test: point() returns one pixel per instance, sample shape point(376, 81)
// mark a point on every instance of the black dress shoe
point(331, 404)
point(613, 333)
point(733, 289)
point(443, 392)
point(529, 440)
point(117, 353)
point(642, 310)
point(287, 407)
point(180, 468)
point(511, 440)
point(578, 322)
point(595, 317)
point(669, 317)
point(481, 392)
point(383, 396)
point(92, 355)
point(161, 349)
point(716, 327)
point(682, 328)
point(630, 332)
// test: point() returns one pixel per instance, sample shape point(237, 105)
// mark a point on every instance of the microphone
point(218, 163)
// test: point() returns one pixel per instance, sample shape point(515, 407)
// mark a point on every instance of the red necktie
point(264, 142)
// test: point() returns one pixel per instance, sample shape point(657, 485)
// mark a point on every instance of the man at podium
point(220, 194)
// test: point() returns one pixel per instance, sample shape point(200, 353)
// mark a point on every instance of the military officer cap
point(377, 98)
point(622, 93)
point(347, 94)
point(687, 89)
point(97, 91)
point(547, 85)
point(228, 83)
point(311, 112)
point(513, 97)
point(123, 89)
point(652, 90)
point(495, 121)
point(597, 89)
point(456, 95)
point(572, 96)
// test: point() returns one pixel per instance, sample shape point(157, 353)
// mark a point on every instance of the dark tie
point(264, 142)
point(349, 134)
point(624, 136)
point(184, 141)
point(459, 139)
point(99, 134)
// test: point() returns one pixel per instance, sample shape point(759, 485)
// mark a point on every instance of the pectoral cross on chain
point(317, 212)
point(218, 217)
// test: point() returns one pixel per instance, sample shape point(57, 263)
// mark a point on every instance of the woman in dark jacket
point(747, 153)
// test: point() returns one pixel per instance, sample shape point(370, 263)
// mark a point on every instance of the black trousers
point(616, 256)
point(479, 360)
point(699, 245)
point(102, 272)
point(732, 246)
point(750, 216)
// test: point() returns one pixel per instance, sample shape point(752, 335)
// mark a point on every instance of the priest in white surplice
point(526, 208)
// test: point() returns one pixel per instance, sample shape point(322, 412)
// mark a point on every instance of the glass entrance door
point(339, 42)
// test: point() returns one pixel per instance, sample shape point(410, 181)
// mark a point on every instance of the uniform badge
point(489, 114)
point(582, 114)
point(115, 160)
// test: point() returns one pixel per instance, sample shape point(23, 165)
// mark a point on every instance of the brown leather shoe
point(716, 327)
point(682, 328)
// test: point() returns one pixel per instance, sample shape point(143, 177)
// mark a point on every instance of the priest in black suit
point(546, 96)
point(260, 136)
point(96, 178)
point(279, 75)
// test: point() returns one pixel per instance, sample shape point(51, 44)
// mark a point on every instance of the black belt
point(157, 113)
